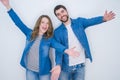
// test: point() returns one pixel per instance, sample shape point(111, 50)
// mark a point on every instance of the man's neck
point(68, 22)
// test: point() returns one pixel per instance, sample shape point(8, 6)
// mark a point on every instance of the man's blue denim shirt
point(78, 26)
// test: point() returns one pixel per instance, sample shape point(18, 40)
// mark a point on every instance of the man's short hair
point(58, 7)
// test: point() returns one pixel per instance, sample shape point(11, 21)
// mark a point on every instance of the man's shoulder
point(78, 19)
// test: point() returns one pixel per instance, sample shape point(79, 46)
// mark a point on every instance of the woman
point(35, 58)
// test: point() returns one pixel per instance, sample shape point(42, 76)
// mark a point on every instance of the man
point(72, 33)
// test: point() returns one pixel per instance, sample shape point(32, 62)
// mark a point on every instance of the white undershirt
point(73, 42)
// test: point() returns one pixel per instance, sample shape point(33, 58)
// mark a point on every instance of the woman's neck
point(40, 34)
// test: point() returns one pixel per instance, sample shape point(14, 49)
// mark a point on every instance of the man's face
point(62, 15)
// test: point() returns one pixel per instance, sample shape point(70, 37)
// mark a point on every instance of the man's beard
point(64, 21)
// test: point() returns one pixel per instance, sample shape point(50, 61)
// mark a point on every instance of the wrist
point(8, 7)
point(104, 20)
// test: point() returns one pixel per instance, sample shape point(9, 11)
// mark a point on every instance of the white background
point(104, 39)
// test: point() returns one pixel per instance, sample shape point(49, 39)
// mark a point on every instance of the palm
point(55, 72)
point(73, 52)
point(109, 16)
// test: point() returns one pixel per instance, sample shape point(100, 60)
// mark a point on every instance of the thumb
point(52, 69)
point(106, 12)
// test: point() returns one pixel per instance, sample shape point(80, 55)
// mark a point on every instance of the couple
point(69, 41)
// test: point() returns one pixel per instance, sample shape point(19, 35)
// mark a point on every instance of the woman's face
point(43, 27)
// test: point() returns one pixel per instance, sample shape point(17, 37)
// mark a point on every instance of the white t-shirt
point(73, 42)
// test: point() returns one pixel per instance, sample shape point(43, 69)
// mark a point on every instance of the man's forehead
point(60, 10)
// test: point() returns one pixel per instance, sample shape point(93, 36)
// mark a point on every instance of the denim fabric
point(78, 26)
point(30, 75)
point(73, 73)
point(44, 47)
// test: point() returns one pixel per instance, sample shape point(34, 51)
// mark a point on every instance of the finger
point(54, 76)
point(53, 69)
point(73, 47)
point(110, 12)
point(105, 12)
point(113, 14)
point(76, 54)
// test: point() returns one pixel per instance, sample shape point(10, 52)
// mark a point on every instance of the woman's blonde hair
point(48, 33)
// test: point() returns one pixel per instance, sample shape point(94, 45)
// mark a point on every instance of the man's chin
point(64, 21)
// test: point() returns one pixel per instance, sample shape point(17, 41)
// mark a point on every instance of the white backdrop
point(103, 39)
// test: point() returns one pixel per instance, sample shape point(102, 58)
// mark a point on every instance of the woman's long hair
point(48, 33)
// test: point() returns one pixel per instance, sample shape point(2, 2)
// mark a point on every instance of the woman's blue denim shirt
point(78, 26)
point(45, 44)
